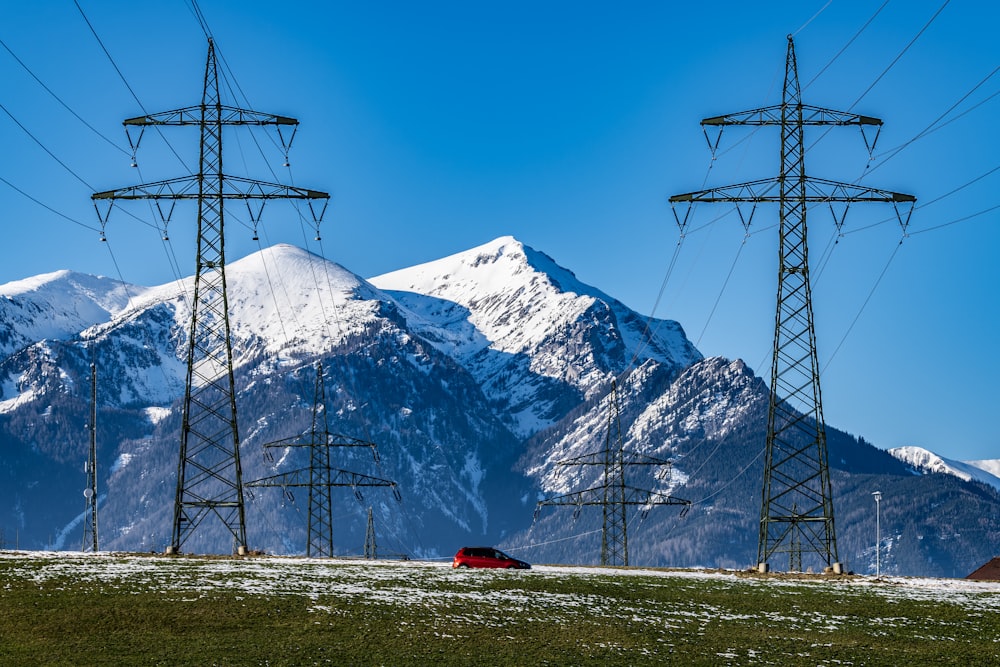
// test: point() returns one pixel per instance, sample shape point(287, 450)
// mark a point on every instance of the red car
point(487, 557)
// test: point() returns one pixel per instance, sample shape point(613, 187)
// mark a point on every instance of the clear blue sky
point(438, 126)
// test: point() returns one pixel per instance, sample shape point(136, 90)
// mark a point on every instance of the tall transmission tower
point(319, 477)
point(796, 509)
point(90, 491)
point(209, 474)
point(613, 495)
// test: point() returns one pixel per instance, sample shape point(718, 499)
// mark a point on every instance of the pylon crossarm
point(595, 496)
point(192, 115)
point(591, 459)
point(237, 187)
point(811, 115)
point(234, 187)
point(818, 190)
point(653, 498)
point(324, 438)
point(764, 190)
point(301, 477)
point(823, 190)
point(637, 459)
point(591, 496)
point(600, 459)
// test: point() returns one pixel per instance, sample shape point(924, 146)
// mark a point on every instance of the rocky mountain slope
point(475, 374)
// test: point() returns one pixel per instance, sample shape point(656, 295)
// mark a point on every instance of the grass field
point(115, 609)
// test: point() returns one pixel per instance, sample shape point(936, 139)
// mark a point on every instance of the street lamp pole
point(878, 537)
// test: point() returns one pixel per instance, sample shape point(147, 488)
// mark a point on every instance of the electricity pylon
point(90, 491)
point(613, 495)
point(319, 477)
point(209, 474)
point(796, 508)
point(371, 548)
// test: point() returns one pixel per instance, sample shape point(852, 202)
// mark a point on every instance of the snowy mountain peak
point(285, 299)
point(500, 265)
point(70, 287)
point(288, 269)
point(57, 306)
point(523, 325)
point(925, 461)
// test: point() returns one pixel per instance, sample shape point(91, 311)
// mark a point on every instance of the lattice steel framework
point(797, 508)
point(613, 495)
point(371, 548)
point(320, 477)
point(209, 474)
point(90, 491)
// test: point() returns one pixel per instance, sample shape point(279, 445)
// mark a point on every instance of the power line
point(722, 290)
point(47, 207)
point(888, 67)
point(60, 100)
point(813, 17)
point(864, 304)
point(114, 64)
point(848, 44)
point(888, 155)
point(45, 148)
point(900, 55)
point(934, 201)
point(956, 221)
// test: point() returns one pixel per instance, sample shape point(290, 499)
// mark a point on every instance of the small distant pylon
point(320, 477)
point(613, 495)
point(371, 549)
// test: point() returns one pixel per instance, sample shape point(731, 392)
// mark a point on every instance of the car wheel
point(463, 565)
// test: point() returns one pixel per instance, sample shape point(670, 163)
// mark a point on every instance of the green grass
point(114, 610)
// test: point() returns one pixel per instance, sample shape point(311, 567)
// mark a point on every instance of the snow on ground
point(428, 583)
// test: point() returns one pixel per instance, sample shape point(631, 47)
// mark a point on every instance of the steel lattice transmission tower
point(796, 509)
point(371, 548)
point(209, 475)
point(320, 477)
point(613, 495)
point(90, 491)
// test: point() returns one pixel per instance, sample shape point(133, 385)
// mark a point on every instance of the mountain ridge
point(924, 461)
point(476, 374)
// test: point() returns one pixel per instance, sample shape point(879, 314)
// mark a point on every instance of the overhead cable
point(60, 100)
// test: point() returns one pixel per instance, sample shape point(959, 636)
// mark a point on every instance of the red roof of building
point(990, 571)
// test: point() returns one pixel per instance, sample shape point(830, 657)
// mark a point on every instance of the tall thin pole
point(878, 535)
point(90, 492)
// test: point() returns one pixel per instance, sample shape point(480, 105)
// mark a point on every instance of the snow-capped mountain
point(923, 461)
point(57, 306)
point(525, 328)
point(475, 375)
